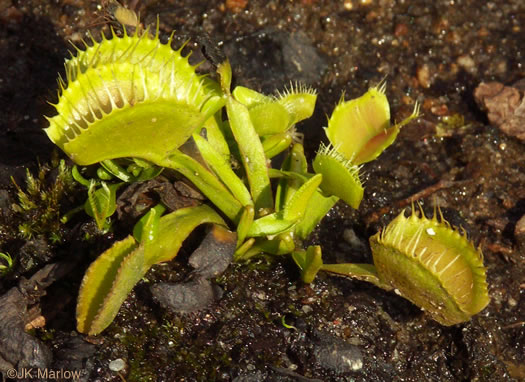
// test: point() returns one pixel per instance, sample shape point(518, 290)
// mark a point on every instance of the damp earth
point(259, 321)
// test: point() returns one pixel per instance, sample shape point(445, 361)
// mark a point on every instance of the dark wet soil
point(268, 325)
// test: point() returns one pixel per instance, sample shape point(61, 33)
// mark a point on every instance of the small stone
point(505, 106)
point(236, 6)
point(215, 253)
point(401, 30)
point(467, 63)
point(186, 297)
point(439, 109)
point(337, 355)
point(423, 76)
point(348, 5)
point(351, 238)
point(117, 365)
point(519, 232)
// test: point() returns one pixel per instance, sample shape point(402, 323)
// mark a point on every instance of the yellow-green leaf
point(298, 203)
point(340, 176)
point(309, 261)
point(252, 153)
point(100, 296)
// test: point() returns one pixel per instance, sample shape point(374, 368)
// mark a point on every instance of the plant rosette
point(136, 106)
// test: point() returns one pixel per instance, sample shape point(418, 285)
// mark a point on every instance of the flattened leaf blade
point(132, 269)
point(221, 166)
point(309, 261)
point(113, 275)
point(146, 229)
point(317, 209)
point(249, 97)
point(206, 182)
point(297, 205)
point(276, 144)
point(252, 152)
point(98, 283)
point(174, 228)
point(271, 224)
point(244, 225)
point(269, 118)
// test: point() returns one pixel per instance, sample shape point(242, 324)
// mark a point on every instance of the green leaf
point(225, 73)
point(138, 171)
point(174, 228)
point(281, 174)
point(252, 154)
point(355, 123)
point(103, 174)
point(111, 277)
point(296, 206)
point(244, 224)
point(363, 272)
point(8, 260)
point(106, 284)
point(206, 182)
point(147, 173)
point(293, 174)
point(221, 166)
point(78, 177)
point(340, 177)
point(243, 249)
point(101, 203)
point(296, 166)
point(276, 144)
point(275, 115)
point(269, 118)
point(146, 229)
point(215, 100)
point(309, 262)
point(433, 265)
point(283, 244)
point(215, 134)
point(114, 168)
point(360, 129)
point(299, 101)
point(129, 96)
point(269, 225)
point(318, 207)
point(249, 97)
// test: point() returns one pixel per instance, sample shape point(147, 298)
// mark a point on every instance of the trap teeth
point(114, 90)
point(433, 265)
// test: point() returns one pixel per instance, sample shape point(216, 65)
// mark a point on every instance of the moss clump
point(38, 207)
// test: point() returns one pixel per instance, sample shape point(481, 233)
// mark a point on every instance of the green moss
point(39, 204)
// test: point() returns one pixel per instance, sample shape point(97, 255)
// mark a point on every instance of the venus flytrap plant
point(427, 262)
point(111, 277)
point(136, 82)
point(360, 129)
point(136, 106)
point(274, 118)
